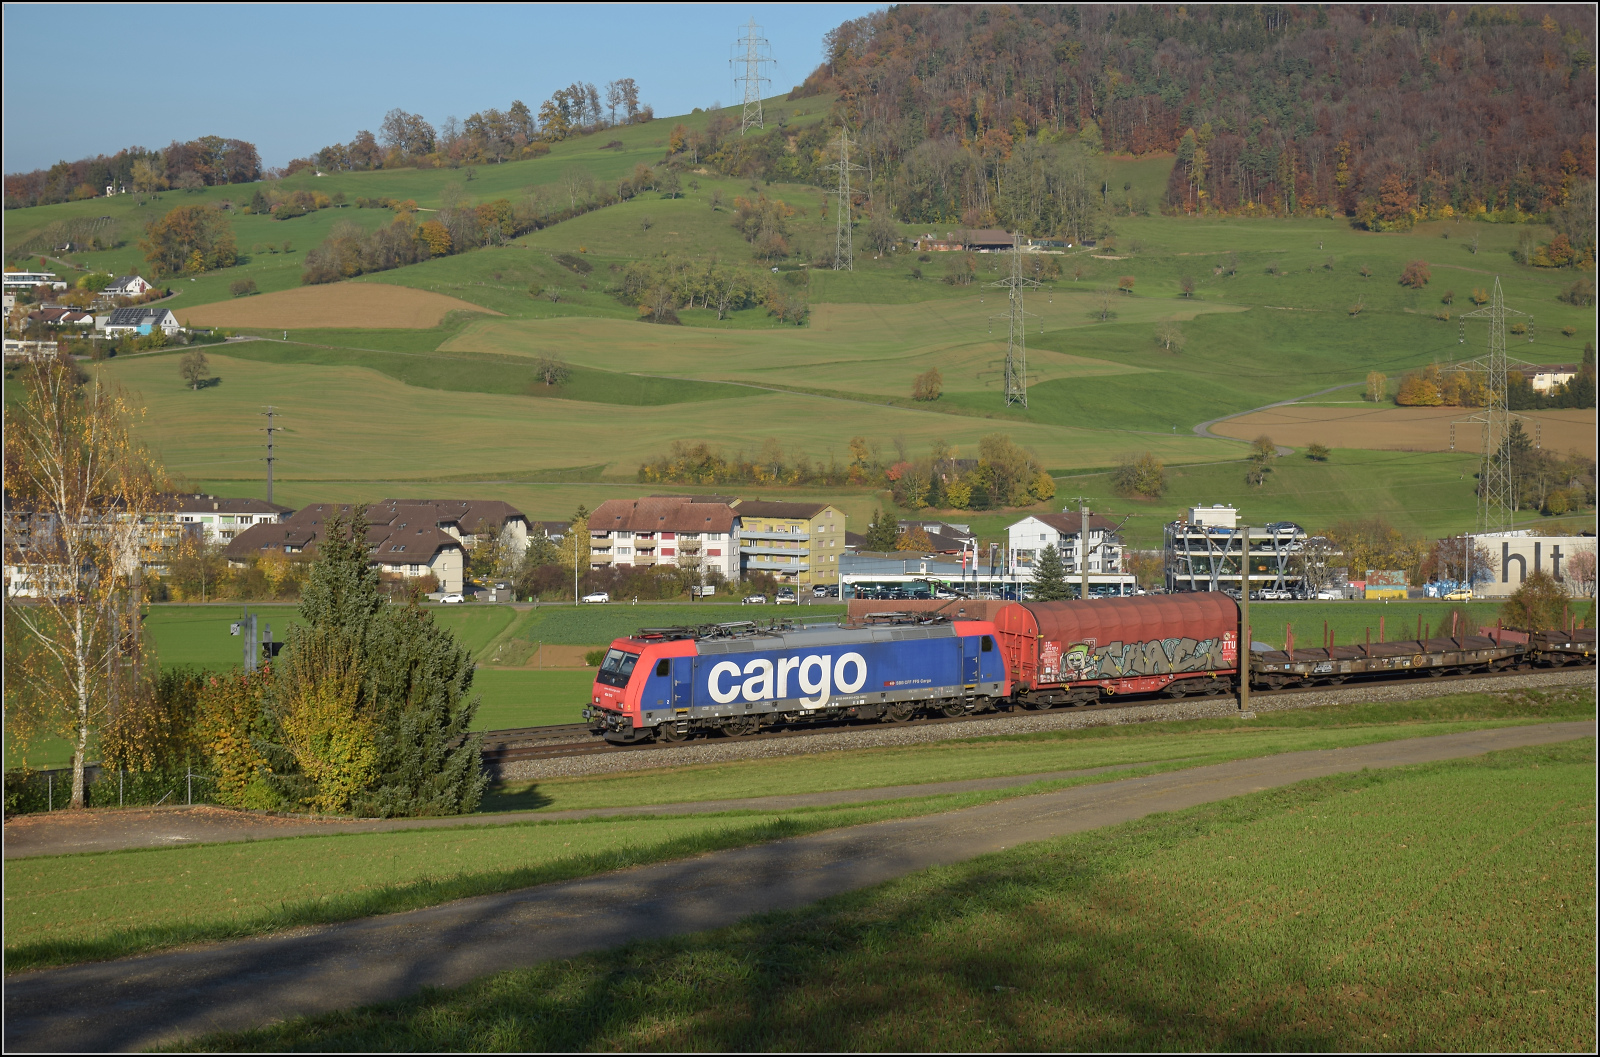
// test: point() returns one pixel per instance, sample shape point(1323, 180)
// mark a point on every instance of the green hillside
point(1250, 312)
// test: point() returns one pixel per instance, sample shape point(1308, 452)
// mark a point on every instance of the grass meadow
point(148, 898)
point(1359, 912)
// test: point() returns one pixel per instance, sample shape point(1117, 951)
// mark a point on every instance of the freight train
point(668, 684)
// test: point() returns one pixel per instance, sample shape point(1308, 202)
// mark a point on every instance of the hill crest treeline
point(1369, 111)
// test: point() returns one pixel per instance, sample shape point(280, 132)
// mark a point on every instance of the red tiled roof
point(666, 514)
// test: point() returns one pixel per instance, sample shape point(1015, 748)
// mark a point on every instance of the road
point(161, 999)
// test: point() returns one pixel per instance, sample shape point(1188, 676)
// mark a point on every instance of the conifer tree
point(415, 679)
point(1049, 576)
point(883, 534)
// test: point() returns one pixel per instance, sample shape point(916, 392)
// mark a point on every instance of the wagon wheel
point(1176, 689)
point(953, 709)
point(899, 712)
point(669, 732)
point(1213, 688)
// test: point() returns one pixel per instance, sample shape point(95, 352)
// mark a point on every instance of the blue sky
point(85, 80)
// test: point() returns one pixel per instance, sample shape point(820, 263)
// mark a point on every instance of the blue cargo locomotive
point(733, 679)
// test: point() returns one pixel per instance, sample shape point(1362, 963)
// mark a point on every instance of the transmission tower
point(270, 429)
point(1496, 489)
point(1017, 321)
point(750, 51)
point(844, 254)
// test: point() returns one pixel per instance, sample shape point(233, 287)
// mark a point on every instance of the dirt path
point(137, 1003)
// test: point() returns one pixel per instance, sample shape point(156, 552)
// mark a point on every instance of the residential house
point(404, 540)
point(473, 521)
point(690, 532)
point(799, 543)
point(140, 321)
point(555, 530)
point(1064, 531)
point(944, 538)
point(32, 280)
point(1545, 378)
point(217, 519)
point(127, 286)
point(56, 316)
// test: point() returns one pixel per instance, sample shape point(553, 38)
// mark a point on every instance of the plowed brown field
point(1402, 428)
point(376, 305)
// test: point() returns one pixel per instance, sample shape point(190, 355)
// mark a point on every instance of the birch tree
point(80, 491)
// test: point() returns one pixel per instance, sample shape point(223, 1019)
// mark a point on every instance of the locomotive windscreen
point(617, 668)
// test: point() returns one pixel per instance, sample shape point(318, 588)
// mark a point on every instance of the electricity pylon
point(844, 254)
point(750, 55)
point(1017, 321)
point(1496, 487)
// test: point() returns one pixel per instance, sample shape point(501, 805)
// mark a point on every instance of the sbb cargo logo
point(816, 676)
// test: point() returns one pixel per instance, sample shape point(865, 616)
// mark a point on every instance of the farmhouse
point(407, 541)
point(141, 321)
point(689, 532)
point(127, 286)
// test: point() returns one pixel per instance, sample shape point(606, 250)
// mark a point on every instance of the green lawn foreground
point(1447, 906)
point(70, 908)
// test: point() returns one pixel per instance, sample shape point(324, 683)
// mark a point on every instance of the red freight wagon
point(1074, 652)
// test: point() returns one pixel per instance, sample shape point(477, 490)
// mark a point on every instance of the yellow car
point(1461, 595)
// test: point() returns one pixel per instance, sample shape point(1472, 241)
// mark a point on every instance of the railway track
point(574, 739)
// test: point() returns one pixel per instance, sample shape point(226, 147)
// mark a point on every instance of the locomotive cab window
point(617, 668)
point(988, 644)
point(664, 667)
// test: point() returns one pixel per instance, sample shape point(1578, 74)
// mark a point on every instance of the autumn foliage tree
point(929, 385)
point(78, 488)
point(190, 239)
point(1416, 275)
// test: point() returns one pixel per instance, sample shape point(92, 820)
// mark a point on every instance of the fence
point(33, 792)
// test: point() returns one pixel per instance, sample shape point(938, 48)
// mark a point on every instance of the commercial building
point(690, 532)
point(1205, 552)
point(799, 543)
point(1517, 555)
point(909, 575)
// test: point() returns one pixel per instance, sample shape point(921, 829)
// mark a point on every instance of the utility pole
point(749, 54)
point(1496, 483)
point(844, 255)
point(1246, 634)
point(1017, 324)
point(1083, 547)
point(270, 414)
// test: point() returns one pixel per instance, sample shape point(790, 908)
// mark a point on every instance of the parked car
point(457, 597)
point(1329, 595)
point(597, 596)
point(786, 598)
point(1460, 594)
point(754, 600)
point(819, 590)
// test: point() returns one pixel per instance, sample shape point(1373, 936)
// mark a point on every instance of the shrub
point(1580, 293)
point(1317, 452)
point(1448, 297)
point(594, 657)
point(242, 287)
point(1538, 605)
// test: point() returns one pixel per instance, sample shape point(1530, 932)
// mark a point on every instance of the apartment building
point(690, 532)
point(799, 543)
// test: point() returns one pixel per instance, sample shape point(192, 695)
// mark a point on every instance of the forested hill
point(1385, 113)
